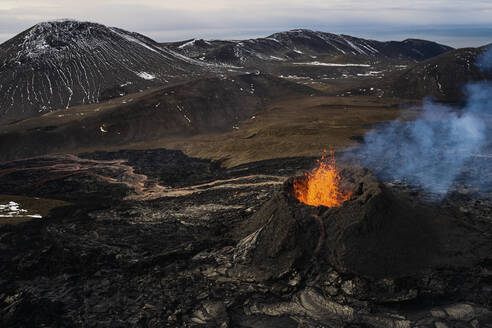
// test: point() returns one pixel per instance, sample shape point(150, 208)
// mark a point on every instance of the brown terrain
point(303, 127)
point(300, 122)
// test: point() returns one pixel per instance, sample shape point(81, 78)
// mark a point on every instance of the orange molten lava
point(321, 186)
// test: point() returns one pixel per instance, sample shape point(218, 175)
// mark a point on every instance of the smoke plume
point(432, 151)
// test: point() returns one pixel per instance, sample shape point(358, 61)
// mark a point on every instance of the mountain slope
point(65, 63)
point(302, 44)
point(442, 77)
point(207, 105)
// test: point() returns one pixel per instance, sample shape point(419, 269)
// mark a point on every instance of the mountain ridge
point(64, 63)
point(59, 64)
point(304, 44)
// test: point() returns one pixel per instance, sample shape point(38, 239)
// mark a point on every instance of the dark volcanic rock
point(279, 237)
point(110, 261)
point(60, 64)
point(233, 248)
point(378, 234)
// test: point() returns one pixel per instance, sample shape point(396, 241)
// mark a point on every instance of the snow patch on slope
point(132, 39)
point(187, 44)
point(146, 76)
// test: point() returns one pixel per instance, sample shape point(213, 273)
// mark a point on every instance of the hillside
point(442, 78)
point(66, 63)
point(204, 106)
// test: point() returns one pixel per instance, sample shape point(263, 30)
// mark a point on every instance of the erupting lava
point(321, 186)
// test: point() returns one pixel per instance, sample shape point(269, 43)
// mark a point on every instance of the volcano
point(378, 233)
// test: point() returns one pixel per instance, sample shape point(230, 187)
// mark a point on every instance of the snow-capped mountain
point(64, 63)
point(302, 44)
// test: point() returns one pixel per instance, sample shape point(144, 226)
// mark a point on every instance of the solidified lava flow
point(321, 186)
point(56, 169)
point(240, 249)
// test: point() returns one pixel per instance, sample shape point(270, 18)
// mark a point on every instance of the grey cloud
point(166, 20)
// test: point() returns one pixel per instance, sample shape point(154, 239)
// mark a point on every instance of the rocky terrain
point(154, 238)
point(59, 64)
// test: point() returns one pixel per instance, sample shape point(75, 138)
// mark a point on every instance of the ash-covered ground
point(157, 239)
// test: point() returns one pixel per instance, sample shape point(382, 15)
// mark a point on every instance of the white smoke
point(433, 150)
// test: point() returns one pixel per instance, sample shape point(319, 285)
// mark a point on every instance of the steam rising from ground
point(432, 151)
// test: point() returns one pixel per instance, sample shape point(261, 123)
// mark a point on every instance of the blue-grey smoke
point(484, 61)
point(432, 151)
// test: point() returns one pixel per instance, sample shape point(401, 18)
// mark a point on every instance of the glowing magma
point(321, 186)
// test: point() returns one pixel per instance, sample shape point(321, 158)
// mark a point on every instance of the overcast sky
point(455, 22)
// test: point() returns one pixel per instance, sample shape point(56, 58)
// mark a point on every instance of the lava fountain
point(321, 186)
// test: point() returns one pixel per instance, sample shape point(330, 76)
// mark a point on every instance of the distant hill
point(65, 63)
point(302, 45)
point(441, 78)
